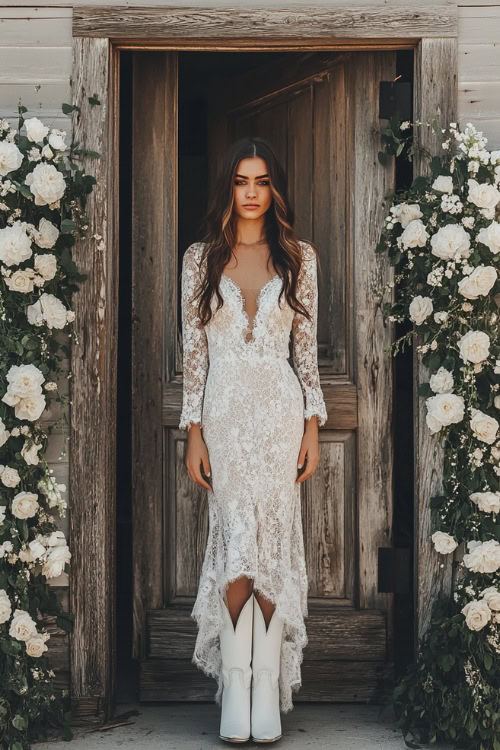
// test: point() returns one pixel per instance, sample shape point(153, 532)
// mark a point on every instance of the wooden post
point(435, 85)
point(92, 432)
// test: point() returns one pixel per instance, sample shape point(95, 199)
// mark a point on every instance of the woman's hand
point(196, 455)
point(310, 448)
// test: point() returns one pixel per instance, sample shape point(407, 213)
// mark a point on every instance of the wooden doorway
point(320, 110)
point(99, 38)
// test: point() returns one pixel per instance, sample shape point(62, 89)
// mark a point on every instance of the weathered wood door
point(320, 110)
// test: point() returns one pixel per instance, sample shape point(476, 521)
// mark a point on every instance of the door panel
point(320, 111)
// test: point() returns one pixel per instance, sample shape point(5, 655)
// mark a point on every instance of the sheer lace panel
point(195, 359)
point(305, 347)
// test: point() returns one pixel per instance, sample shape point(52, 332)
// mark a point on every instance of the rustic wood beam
point(303, 24)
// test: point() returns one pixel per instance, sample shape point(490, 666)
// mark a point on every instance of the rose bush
point(443, 237)
point(42, 200)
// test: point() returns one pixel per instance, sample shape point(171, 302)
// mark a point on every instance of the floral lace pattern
point(251, 405)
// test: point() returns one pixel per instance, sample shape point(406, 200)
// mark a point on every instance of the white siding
point(35, 65)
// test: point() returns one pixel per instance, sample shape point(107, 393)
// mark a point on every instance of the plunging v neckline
point(242, 300)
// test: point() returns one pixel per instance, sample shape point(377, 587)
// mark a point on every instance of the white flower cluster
point(451, 229)
point(26, 265)
point(23, 627)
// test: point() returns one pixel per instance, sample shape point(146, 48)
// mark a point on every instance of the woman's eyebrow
point(257, 178)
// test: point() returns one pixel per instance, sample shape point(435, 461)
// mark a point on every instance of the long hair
point(219, 227)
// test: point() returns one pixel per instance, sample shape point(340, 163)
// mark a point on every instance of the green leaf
point(19, 722)
point(68, 108)
point(16, 746)
point(68, 226)
point(382, 157)
point(488, 661)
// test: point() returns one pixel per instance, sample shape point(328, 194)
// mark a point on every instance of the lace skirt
point(253, 423)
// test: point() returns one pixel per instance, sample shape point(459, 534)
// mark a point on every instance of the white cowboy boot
point(236, 655)
point(266, 652)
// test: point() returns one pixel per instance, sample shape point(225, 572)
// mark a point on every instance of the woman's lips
point(250, 206)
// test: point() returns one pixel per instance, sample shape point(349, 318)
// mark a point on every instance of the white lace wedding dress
point(251, 406)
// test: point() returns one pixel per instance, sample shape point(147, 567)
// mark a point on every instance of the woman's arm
point(194, 344)
point(305, 344)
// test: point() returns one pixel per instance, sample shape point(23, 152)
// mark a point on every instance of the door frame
point(99, 34)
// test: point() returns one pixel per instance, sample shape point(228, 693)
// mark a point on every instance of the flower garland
point(443, 236)
point(42, 195)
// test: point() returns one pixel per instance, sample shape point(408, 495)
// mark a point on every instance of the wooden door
point(320, 110)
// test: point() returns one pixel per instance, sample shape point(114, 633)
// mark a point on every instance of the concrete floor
point(183, 726)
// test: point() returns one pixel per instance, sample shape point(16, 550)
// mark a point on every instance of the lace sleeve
point(194, 344)
point(305, 346)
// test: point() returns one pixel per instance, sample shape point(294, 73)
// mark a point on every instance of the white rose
point(10, 158)
point(483, 195)
point(46, 183)
point(441, 317)
point(443, 543)
point(23, 379)
point(488, 502)
point(29, 406)
point(490, 236)
point(10, 477)
point(445, 408)
point(415, 234)
point(443, 184)
point(5, 606)
point(50, 309)
point(4, 433)
point(442, 381)
point(56, 141)
point(484, 557)
point(15, 245)
point(46, 265)
point(491, 596)
point(420, 309)
point(480, 282)
point(47, 152)
point(406, 212)
point(451, 241)
point(36, 645)
point(35, 129)
point(25, 505)
point(55, 562)
point(477, 614)
point(2, 514)
point(22, 627)
point(484, 427)
point(21, 281)
point(474, 346)
point(30, 454)
point(56, 539)
point(37, 549)
point(495, 157)
point(47, 234)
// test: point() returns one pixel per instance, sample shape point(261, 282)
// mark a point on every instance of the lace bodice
point(225, 337)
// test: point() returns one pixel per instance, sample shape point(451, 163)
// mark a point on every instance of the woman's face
point(252, 190)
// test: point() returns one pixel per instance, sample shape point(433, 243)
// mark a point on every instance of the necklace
point(251, 244)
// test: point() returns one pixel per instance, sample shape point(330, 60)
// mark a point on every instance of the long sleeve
point(194, 344)
point(305, 345)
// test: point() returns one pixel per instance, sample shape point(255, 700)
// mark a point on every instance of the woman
point(252, 424)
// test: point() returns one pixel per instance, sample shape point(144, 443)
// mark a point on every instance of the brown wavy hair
point(219, 227)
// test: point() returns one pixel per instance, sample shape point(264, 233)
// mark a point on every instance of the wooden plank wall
point(35, 64)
